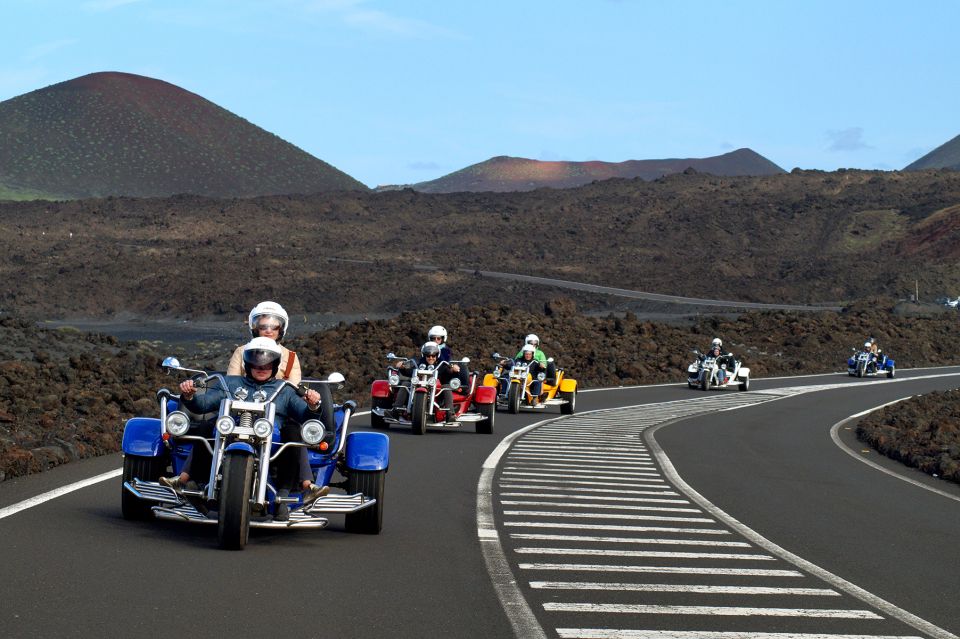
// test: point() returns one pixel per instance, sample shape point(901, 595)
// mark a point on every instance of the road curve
point(74, 567)
point(642, 295)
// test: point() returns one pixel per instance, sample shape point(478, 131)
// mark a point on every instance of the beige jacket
point(235, 367)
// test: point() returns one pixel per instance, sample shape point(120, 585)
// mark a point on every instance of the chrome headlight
point(393, 379)
point(262, 428)
point(541, 376)
point(455, 383)
point(225, 424)
point(178, 423)
point(312, 431)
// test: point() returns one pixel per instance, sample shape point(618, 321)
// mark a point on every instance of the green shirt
point(538, 355)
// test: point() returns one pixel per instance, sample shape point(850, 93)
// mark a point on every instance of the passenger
point(438, 334)
point(268, 319)
point(261, 363)
point(540, 356)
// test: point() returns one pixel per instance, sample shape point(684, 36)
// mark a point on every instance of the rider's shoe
point(173, 483)
point(312, 493)
point(282, 511)
point(535, 402)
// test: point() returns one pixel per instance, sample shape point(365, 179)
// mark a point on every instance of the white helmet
point(867, 344)
point(528, 348)
point(716, 342)
point(437, 331)
point(532, 339)
point(430, 348)
point(261, 351)
point(271, 309)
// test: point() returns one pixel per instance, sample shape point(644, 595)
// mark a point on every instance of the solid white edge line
point(837, 582)
point(835, 436)
point(53, 494)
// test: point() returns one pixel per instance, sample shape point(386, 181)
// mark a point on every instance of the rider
point(438, 334)
point(540, 356)
point(722, 358)
point(430, 356)
point(261, 363)
point(528, 355)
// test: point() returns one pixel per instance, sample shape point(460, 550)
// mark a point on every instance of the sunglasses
point(268, 327)
point(265, 367)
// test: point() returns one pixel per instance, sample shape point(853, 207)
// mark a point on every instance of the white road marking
point(617, 633)
point(599, 552)
point(58, 492)
point(631, 540)
point(547, 513)
point(564, 495)
point(664, 570)
point(728, 611)
point(593, 526)
point(696, 588)
point(668, 509)
point(573, 489)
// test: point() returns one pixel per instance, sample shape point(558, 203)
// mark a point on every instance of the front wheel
point(233, 522)
point(419, 414)
point(513, 398)
point(570, 405)
point(370, 483)
point(860, 370)
point(488, 412)
point(144, 469)
point(704, 380)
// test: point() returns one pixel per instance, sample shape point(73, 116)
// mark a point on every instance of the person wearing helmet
point(722, 358)
point(872, 346)
point(549, 367)
point(269, 319)
point(261, 359)
point(528, 356)
point(430, 356)
point(438, 334)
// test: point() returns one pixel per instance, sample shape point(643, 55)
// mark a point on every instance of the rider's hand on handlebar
point(455, 368)
point(187, 389)
point(312, 397)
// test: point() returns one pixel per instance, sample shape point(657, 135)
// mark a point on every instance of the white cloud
point(847, 140)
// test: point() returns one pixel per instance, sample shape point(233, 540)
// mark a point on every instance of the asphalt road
point(73, 567)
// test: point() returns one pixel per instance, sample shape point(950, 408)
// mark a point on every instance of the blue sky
point(400, 92)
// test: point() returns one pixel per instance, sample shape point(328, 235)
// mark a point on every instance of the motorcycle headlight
point(225, 424)
point(393, 379)
point(541, 376)
point(177, 423)
point(455, 383)
point(312, 431)
point(262, 428)
point(723, 366)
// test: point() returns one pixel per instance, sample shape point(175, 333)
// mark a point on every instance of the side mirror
point(170, 362)
point(336, 378)
point(497, 356)
point(549, 359)
point(465, 360)
point(391, 355)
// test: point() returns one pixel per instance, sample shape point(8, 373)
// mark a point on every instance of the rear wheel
point(745, 384)
point(571, 404)
point(233, 522)
point(376, 421)
point(513, 399)
point(371, 483)
point(485, 425)
point(890, 373)
point(420, 413)
point(145, 469)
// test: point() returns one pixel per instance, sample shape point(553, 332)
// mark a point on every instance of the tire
point(860, 370)
point(513, 398)
point(571, 406)
point(485, 425)
point(375, 420)
point(891, 373)
point(368, 521)
point(419, 414)
point(745, 384)
point(146, 469)
point(233, 522)
point(704, 381)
